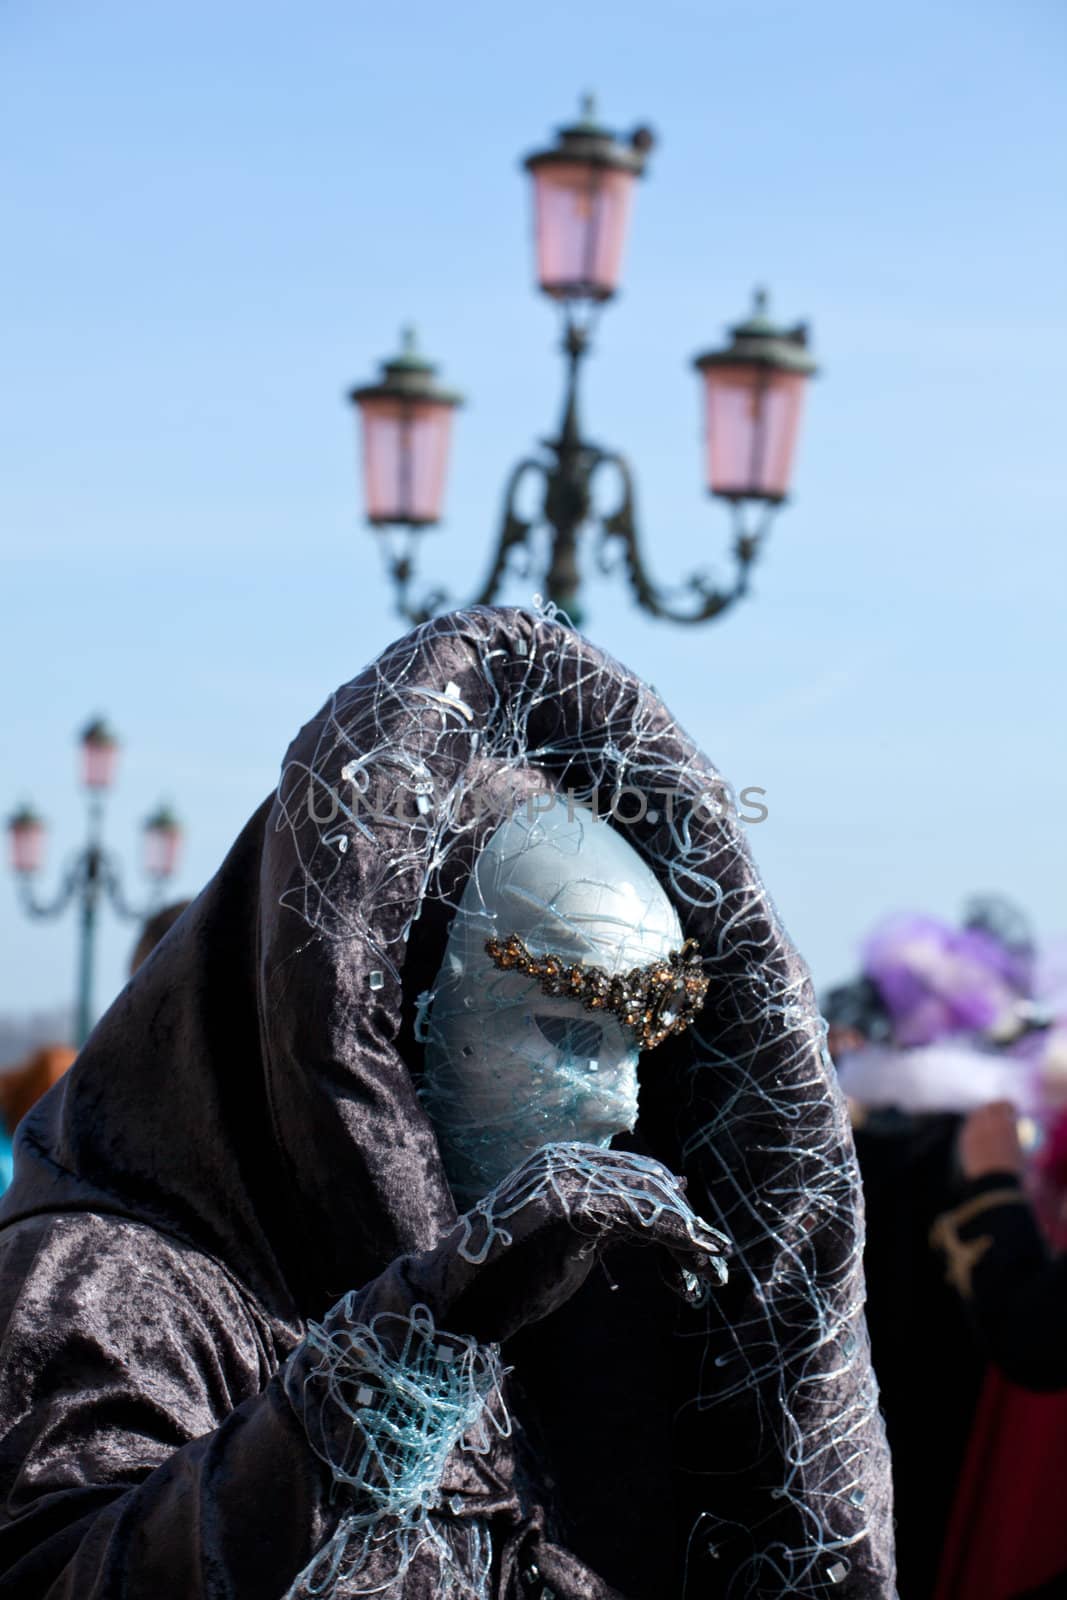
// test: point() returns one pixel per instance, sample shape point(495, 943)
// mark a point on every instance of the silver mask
point(509, 1068)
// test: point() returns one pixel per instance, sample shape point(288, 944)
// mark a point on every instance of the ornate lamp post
point(93, 875)
point(753, 395)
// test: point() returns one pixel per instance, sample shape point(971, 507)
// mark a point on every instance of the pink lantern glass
point(583, 188)
point(582, 212)
point(407, 429)
point(162, 844)
point(405, 459)
point(752, 417)
point(26, 836)
point(753, 399)
point(100, 750)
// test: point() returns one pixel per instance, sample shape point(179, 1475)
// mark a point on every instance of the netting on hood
point(409, 769)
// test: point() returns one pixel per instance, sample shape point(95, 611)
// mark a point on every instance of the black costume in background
point(1008, 1538)
point(1014, 1290)
point(928, 1364)
point(240, 1144)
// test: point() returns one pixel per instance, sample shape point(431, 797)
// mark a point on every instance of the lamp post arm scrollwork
point(620, 526)
point(514, 533)
point(111, 886)
point(515, 530)
point(69, 885)
point(92, 877)
point(566, 508)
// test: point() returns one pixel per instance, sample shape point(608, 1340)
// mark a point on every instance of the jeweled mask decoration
point(517, 1055)
point(655, 1001)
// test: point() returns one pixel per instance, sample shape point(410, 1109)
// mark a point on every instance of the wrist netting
point(385, 1403)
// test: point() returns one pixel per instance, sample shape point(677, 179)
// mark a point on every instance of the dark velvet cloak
point(241, 1142)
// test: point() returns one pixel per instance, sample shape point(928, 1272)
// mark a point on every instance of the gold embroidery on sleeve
point(963, 1255)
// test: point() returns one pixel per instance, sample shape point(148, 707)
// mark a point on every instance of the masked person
point(376, 1245)
point(942, 1018)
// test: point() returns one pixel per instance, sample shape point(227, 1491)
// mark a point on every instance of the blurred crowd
point(23, 1082)
point(951, 1048)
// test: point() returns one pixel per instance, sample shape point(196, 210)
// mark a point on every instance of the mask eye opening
point(578, 1038)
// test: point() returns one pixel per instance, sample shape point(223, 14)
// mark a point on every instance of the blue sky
point(217, 218)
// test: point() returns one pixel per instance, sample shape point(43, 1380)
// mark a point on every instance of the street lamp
point(407, 422)
point(93, 874)
point(162, 844)
point(753, 398)
point(583, 190)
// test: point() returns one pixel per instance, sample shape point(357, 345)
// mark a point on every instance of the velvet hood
point(242, 1141)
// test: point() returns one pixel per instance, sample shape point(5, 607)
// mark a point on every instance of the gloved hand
point(989, 1141)
point(398, 1374)
point(525, 1249)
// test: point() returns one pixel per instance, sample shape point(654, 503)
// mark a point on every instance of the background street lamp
point(753, 396)
point(93, 875)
